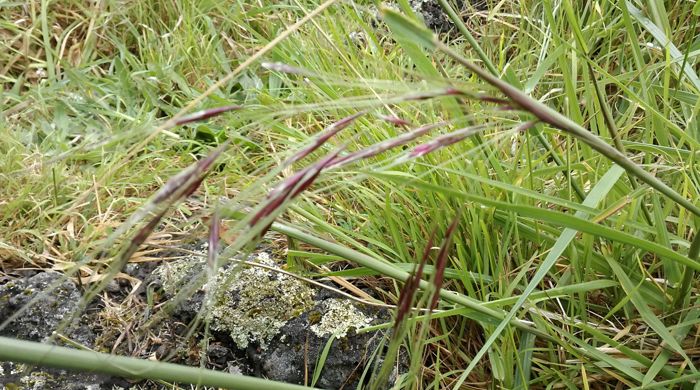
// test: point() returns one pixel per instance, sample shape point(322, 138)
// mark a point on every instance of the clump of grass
point(563, 270)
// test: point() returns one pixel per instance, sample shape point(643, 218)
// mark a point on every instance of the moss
point(345, 344)
point(315, 317)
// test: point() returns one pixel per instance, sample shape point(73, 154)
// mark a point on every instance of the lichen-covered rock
point(280, 323)
point(293, 354)
point(22, 377)
point(250, 304)
point(254, 303)
point(339, 317)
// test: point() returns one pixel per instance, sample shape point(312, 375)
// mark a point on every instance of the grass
point(564, 270)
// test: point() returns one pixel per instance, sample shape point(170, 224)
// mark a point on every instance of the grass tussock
point(521, 190)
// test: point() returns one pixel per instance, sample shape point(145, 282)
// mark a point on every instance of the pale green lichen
point(173, 274)
point(251, 304)
point(258, 302)
point(339, 318)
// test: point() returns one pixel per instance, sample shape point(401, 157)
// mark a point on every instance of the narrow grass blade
point(688, 275)
point(558, 219)
point(664, 42)
point(214, 237)
point(598, 192)
point(647, 315)
point(318, 369)
point(38, 354)
point(406, 28)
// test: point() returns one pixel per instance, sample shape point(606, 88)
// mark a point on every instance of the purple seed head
point(205, 114)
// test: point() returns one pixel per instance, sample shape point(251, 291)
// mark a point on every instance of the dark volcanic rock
point(52, 300)
point(434, 16)
point(272, 325)
point(293, 353)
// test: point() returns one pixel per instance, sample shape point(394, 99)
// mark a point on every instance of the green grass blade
point(39, 354)
point(598, 192)
point(406, 29)
point(649, 317)
point(663, 40)
point(322, 360)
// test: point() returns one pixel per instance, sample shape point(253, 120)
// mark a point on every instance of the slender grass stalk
point(481, 311)
point(403, 26)
point(38, 354)
point(688, 275)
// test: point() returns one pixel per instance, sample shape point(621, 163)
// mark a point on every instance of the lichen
point(257, 303)
point(339, 318)
point(173, 274)
point(36, 380)
point(251, 304)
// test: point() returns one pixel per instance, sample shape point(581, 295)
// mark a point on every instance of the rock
point(23, 377)
point(47, 313)
point(250, 304)
point(54, 299)
point(434, 16)
point(262, 322)
point(277, 324)
point(293, 354)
